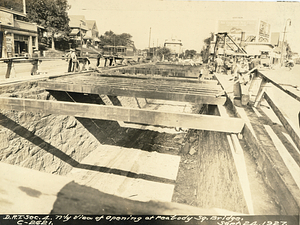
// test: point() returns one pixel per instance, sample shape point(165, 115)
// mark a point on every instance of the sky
point(191, 21)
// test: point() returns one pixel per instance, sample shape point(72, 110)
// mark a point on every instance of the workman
point(218, 64)
point(99, 56)
point(35, 62)
point(200, 74)
point(69, 59)
point(74, 59)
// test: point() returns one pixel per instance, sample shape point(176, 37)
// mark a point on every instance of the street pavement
point(284, 75)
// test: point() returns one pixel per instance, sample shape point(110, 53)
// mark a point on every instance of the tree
point(205, 52)
point(164, 53)
point(110, 38)
point(50, 14)
point(190, 53)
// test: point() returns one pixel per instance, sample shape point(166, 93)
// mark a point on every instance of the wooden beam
point(137, 82)
point(279, 86)
point(147, 77)
point(240, 163)
point(288, 125)
point(199, 98)
point(288, 160)
point(116, 113)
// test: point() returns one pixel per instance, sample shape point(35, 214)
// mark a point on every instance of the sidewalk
point(47, 68)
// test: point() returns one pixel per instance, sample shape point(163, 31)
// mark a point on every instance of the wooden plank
point(201, 98)
point(240, 163)
point(193, 121)
point(154, 174)
point(97, 80)
point(279, 86)
point(265, 155)
point(226, 84)
point(292, 130)
point(138, 85)
point(260, 93)
point(26, 191)
point(289, 161)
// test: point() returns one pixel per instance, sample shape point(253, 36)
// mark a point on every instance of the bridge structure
point(189, 90)
point(79, 95)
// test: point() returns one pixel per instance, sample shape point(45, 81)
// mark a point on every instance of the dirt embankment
point(56, 143)
point(44, 142)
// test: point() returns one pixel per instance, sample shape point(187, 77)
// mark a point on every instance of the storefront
point(17, 37)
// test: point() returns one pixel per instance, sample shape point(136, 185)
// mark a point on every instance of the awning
point(88, 35)
point(74, 32)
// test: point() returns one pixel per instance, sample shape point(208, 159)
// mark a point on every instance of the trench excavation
point(131, 161)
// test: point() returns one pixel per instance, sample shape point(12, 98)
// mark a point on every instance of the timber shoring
point(193, 121)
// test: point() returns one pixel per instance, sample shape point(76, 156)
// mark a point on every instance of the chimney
point(24, 6)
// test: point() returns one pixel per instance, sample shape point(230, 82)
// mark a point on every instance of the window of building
point(20, 44)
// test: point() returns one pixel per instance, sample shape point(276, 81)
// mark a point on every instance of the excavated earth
point(207, 175)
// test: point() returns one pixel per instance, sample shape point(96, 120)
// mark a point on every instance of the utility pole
point(282, 44)
point(80, 38)
point(149, 40)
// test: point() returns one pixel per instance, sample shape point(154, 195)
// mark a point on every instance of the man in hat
point(218, 64)
point(68, 58)
point(72, 57)
point(35, 62)
point(99, 56)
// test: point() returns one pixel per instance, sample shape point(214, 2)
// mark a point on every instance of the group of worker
point(73, 65)
point(232, 65)
point(71, 57)
point(241, 69)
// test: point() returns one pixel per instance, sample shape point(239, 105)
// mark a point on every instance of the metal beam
point(203, 97)
point(116, 113)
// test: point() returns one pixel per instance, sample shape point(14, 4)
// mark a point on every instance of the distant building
point(254, 36)
point(17, 37)
point(85, 29)
point(79, 28)
point(92, 34)
point(174, 45)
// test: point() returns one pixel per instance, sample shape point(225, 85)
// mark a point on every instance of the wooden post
point(260, 93)
point(9, 67)
point(105, 62)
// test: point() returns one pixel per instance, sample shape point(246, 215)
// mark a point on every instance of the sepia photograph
point(129, 111)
